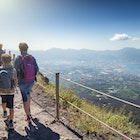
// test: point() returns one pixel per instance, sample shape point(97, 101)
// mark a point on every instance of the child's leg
point(10, 105)
point(4, 110)
point(4, 100)
point(9, 121)
point(11, 113)
point(4, 106)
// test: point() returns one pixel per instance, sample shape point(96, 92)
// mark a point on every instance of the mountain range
point(126, 55)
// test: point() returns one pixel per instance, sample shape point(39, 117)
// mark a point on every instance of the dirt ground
point(48, 104)
point(42, 127)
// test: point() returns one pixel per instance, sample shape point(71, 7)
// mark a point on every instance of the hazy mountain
point(126, 55)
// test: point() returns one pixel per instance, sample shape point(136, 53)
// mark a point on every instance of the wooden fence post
point(57, 96)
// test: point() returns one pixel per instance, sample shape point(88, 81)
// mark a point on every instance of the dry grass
point(86, 124)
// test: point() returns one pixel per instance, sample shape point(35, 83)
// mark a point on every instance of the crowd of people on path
point(20, 73)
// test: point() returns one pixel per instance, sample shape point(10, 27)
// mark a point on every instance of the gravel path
point(43, 126)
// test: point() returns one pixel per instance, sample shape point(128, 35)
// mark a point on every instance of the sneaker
point(10, 126)
point(7, 121)
point(28, 118)
point(4, 114)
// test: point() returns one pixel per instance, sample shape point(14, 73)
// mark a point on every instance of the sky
point(70, 24)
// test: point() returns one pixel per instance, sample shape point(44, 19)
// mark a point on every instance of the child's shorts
point(9, 100)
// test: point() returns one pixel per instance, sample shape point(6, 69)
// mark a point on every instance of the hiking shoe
point(9, 124)
point(4, 114)
point(28, 118)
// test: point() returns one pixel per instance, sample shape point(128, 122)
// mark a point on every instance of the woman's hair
point(23, 46)
point(6, 58)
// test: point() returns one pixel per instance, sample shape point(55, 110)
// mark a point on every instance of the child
point(7, 95)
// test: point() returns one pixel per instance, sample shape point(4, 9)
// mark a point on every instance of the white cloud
point(120, 37)
point(123, 37)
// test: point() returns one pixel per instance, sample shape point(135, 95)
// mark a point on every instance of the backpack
point(27, 68)
point(6, 79)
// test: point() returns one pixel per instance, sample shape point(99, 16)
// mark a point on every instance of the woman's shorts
point(25, 89)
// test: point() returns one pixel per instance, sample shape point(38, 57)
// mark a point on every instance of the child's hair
point(6, 58)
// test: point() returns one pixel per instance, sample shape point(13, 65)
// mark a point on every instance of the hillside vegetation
point(82, 122)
